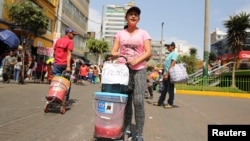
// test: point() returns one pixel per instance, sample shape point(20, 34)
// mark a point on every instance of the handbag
point(178, 73)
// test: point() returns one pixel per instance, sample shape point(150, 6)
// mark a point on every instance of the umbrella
point(50, 60)
point(9, 38)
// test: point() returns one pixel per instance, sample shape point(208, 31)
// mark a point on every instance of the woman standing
point(134, 44)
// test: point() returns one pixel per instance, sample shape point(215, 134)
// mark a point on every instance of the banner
point(45, 51)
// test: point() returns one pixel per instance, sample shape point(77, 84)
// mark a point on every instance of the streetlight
point(161, 43)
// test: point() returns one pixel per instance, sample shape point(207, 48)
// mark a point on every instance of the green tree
point(193, 51)
point(98, 47)
point(236, 35)
point(29, 19)
point(212, 57)
point(190, 60)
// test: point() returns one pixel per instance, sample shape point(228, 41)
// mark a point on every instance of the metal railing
point(217, 81)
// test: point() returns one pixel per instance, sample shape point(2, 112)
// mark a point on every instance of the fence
point(219, 80)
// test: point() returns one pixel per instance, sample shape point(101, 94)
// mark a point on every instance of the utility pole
point(161, 44)
point(206, 43)
point(101, 32)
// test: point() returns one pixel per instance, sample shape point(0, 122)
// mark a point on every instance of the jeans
point(16, 74)
point(57, 71)
point(168, 87)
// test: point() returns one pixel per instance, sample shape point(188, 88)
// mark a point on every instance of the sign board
point(45, 51)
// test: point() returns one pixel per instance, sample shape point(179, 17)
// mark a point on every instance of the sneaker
point(168, 106)
point(128, 136)
point(157, 104)
point(139, 138)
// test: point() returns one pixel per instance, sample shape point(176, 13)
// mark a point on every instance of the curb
point(209, 93)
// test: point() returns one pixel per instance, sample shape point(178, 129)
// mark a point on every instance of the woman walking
point(134, 44)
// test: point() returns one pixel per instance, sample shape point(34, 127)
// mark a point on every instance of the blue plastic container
point(109, 114)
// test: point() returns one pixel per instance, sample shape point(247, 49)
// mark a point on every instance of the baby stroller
point(58, 89)
point(110, 103)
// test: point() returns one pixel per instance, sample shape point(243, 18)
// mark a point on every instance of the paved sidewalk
point(22, 117)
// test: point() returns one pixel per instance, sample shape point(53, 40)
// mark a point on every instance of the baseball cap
point(172, 44)
point(134, 8)
point(67, 30)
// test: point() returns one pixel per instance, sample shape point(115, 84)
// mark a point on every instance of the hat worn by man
point(172, 44)
point(70, 30)
point(134, 8)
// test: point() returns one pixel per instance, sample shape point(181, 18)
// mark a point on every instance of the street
point(22, 116)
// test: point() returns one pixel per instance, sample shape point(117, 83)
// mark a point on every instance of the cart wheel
point(46, 108)
point(62, 110)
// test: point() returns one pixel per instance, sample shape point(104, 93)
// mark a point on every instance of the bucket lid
point(110, 94)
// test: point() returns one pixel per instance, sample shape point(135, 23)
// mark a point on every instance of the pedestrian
point(17, 69)
point(41, 69)
point(49, 72)
point(78, 64)
point(152, 78)
point(8, 66)
point(134, 44)
point(63, 55)
point(170, 61)
point(83, 73)
point(95, 75)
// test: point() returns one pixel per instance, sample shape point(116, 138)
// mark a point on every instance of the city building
point(114, 20)
point(74, 14)
point(217, 35)
point(45, 40)
point(224, 53)
point(61, 14)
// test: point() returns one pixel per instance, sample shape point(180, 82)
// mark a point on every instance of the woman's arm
point(145, 56)
point(115, 48)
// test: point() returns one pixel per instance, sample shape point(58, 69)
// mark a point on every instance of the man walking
point(63, 55)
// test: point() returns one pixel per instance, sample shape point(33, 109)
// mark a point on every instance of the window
point(49, 30)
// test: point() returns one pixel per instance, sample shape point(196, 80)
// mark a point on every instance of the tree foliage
point(98, 47)
point(190, 61)
point(236, 35)
point(193, 51)
point(27, 16)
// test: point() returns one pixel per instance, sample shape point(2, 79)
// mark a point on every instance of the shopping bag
point(178, 73)
point(114, 78)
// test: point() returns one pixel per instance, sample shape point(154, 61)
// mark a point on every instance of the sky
point(183, 19)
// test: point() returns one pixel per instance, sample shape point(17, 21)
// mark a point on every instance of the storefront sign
point(244, 54)
point(45, 51)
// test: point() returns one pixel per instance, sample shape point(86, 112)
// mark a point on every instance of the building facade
point(224, 53)
point(74, 14)
point(217, 35)
point(61, 14)
point(49, 8)
point(114, 20)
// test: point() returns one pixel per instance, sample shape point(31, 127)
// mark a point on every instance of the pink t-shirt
point(61, 49)
point(132, 46)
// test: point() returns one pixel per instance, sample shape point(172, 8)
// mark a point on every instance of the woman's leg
point(138, 98)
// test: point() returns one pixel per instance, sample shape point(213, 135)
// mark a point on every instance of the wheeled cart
point(56, 96)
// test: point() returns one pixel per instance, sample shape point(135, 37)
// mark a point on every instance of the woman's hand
point(133, 62)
